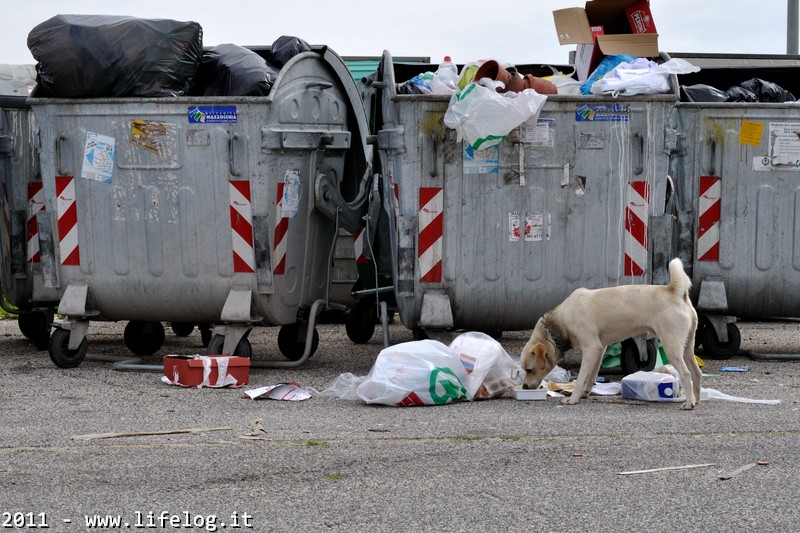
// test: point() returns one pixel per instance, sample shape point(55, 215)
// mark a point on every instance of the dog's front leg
point(590, 365)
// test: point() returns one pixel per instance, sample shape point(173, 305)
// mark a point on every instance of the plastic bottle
point(448, 73)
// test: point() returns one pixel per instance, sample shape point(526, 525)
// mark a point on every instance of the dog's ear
point(540, 353)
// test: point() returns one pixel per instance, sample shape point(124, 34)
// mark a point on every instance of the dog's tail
point(679, 282)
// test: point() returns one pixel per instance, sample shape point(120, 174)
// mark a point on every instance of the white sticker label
point(513, 226)
point(290, 204)
point(534, 226)
point(98, 157)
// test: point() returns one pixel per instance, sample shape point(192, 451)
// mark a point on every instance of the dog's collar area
point(553, 337)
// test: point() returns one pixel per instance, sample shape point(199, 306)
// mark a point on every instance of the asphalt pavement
point(327, 464)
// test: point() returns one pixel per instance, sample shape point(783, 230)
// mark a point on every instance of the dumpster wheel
point(36, 326)
point(60, 353)
point(713, 348)
point(631, 361)
point(243, 349)
point(144, 338)
point(361, 321)
point(182, 329)
point(290, 343)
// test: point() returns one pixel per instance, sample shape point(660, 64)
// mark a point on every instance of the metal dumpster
point(219, 210)
point(740, 162)
point(490, 240)
point(22, 198)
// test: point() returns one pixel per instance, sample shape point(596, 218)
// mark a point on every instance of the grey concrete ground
point(336, 465)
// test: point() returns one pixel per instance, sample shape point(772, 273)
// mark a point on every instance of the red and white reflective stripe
point(35, 205)
point(242, 227)
point(281, 228)
point(431, 220)
point(358, 246)
point(67, 221)
point(709, 213)
point(636, 218)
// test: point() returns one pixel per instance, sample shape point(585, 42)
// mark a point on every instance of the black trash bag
point(702, 93)
point(738, 93)
point(286, 47)
point(231, 70)
point(766, 91)
point(101, 55)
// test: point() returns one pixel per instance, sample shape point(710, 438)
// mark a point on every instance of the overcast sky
point(515, 31)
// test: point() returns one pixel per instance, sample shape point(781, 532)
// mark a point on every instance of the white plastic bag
point(424, 372)
point(490, 369)
point(641, 77)
point(483, 117)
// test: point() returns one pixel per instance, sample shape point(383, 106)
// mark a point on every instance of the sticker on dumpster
point(241, 226)
point(611, 112)
point(539, 133)
point(431, 226)
point(709, 207)
point(762, 163)
point(636, 235)
point(98, 157)
point(213, 114)
point(67, 221)
point(513, 226)
point(290, 204)
point(591, 140)
point(534, 226)
point(750, 133)
point(784, 144)
point(150, 134)
point(485, 161)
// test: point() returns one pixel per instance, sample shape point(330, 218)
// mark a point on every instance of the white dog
point(592, 319)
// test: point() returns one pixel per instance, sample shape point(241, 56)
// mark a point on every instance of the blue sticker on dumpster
point(611, 112)
point(212, 114)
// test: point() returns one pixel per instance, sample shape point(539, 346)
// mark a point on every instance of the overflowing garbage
point(95, 56)
point(474, 366)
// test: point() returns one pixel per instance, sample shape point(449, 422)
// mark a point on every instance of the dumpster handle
point(231, 158)
point(712, 156)
point(637, 135)
point(321, 84)
point(435, 158)
point(59, 167)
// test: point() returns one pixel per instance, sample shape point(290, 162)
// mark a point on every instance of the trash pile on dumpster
point(159, 200)
point(95, 56)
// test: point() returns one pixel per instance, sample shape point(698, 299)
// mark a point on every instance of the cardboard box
point(588, 56)
point(640, 18)
point(574, 26)
point(206, 370)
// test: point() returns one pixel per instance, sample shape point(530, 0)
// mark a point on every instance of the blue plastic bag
point(606, 65)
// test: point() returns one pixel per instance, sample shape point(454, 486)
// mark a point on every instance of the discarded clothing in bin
point(100, 55)
point(231, 70)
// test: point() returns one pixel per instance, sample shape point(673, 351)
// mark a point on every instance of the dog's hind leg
point(694, 368)
point(676, 354)
point(591, 357)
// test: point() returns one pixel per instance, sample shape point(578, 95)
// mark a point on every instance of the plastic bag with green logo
point(425, 372)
